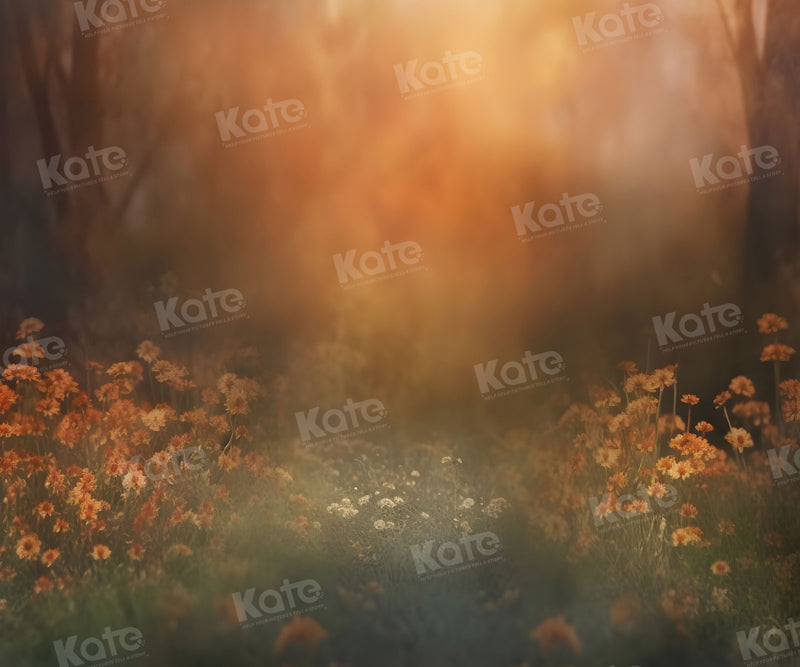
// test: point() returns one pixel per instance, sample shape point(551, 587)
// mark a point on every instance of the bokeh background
point(442, 170)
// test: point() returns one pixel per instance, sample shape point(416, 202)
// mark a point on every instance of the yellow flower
point(739, 439)
point(28, 547)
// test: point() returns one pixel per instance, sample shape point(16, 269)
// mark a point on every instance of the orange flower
point(29, 326)
point(60, 526)
point(739, 439)
point(22, 372)
point(49, 557)
point(136, 551)
point(722, 399)
point(44, 509)
point(179, 550)
point(726, 527)
point(554, 632)
point(703, 427)
point(742, 386)
point(43, 585)
point(28, 547)
point(100, 552)
point(688, 510)
point(301, 631)
point(298, 499)
point(147, 351)
point(720, 567)
point(690, 399)
point(777, 352)
point(7, 397)
point(771, 323)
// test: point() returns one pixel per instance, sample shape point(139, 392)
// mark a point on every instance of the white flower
point(399, 501)
point(415, 473)
point(363, 500)
point(467, 503)
point(425, 515)
point(380, 524)
point(383, 503)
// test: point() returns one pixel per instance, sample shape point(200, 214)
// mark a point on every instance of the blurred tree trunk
point(771, 99)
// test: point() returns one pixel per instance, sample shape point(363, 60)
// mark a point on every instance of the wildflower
point(57, 384)
point(49, 557)
point(136, 550)
point(43, 585)
point(467, 503)
point(606, 398)
point(386, 503)
point(627, 366)
point(790, 404)
point(726, 527)
point(666, 464)
point(720, 567)
point(690, 399)
point(703, 427)
point(739, 439)
point(742, 386)
point(22, 372)
point(29, 326)
point(414, 473)
point(380, 524)
point(134, 480)
point(688, 510)
point(722, 398)
point(607, 457)
point(301, 631)
point(773, 352)
point(425, 515)
point(44, 509)
point(147, 351)
point(771, 323)
point(657, 489)
point(7, 397)
point(100, 552)
point(554, 632)
point(299, 499)
point(636, 382)
point(28, 547)
point(363, 500)
point(60, 526)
